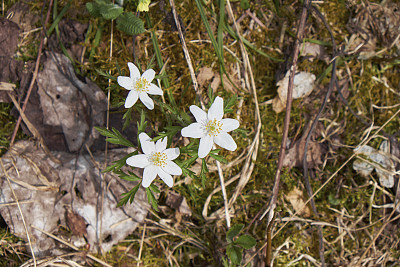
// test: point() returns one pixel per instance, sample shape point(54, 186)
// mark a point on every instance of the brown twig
point(34, 76)
point(298, 41)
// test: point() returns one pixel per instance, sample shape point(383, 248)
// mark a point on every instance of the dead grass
point(357, 228)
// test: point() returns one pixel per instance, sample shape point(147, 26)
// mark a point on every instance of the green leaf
point(93, 9)
point(118, 164)
point(151, 199)
point(218, 157)
point(244, 4)
point(245, 241)
point(130, 177)
point(111, 11)
point(234, 231)
point(114, 137)
point(130, 24)
point(129, 196)
point(234, 253)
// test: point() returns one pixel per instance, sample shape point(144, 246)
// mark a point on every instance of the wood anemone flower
point(211, 128)
point(156, 160)
point(140, 86)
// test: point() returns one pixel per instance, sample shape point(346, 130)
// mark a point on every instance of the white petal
point(216, 110)
point(226, 141)
point(149, 174)
point(148, 146)
point(131, 99)
point(172, 168)
point(205, 146)
point(199, 114)
point(172, 153)
point(229, 125)
point(149, 75)
point(125, 82)
point(154, 90)
point(161, 144)
point(138, 161)
point(167, 178)
point(194, 130)
point(146, 100)
point(134, 71)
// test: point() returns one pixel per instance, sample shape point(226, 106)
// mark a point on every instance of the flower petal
point(125, 82)
point(138, 161)
point(146, 100)
point(199, 114)
point(194, 130)
point(131, 99)
point(205, 146)
point(226, 141)
point(154, 90)
point(161, 144)
point(149, 75)
point(134, 71)
point(149, 174)
point(167, 178)
point(172, 168)
point(148, 147)
point(216, 110)
point(229, 125)
point(172, 153)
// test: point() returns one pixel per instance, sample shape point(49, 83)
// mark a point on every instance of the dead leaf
point(76, 183)
point(303, 86)
point(76, 223)
point(68, 103)
point(178, 202)
point(294, 158)
point(296, 198)
point(314, 51)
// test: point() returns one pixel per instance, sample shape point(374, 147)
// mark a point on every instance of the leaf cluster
point(236, 244)
point(126, 21)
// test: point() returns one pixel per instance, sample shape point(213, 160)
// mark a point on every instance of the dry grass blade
point(72, 246)
point(19, 208)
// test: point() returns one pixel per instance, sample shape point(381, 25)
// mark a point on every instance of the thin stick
point(20, 211)
point(196, 89)
point(35, 73)
point(362, 144)
point(187, 56)
point(72, 246)
point(141, 245)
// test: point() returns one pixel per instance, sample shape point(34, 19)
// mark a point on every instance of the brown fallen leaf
point(76, 223)
point(178, 202)
point(296, 198)
point(294, 158)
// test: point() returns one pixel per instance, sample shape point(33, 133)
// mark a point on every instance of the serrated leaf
point(245, 241)
point(129, 196)
point(234, 231)
point(218, 157)
point(93, 9)
point(110, 11)
point(130, 24)
point(234, 253)
point(151, 199)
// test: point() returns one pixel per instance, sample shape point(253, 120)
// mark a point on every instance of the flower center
point(141, 85)
point(159, 159)
point(213, 127)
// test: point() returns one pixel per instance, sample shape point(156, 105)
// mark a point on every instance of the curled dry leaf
point(303, 86)
point(296, 198)
point(380, 160)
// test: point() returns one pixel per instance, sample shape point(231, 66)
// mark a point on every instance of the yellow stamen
point(159, 159)
point(141, 85)
point(213, 127)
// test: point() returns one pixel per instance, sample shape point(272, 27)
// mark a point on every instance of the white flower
point(156, 160)
point(139, 86)
point(211, 128)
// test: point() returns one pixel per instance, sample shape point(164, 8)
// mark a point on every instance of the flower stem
point(221, 180)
